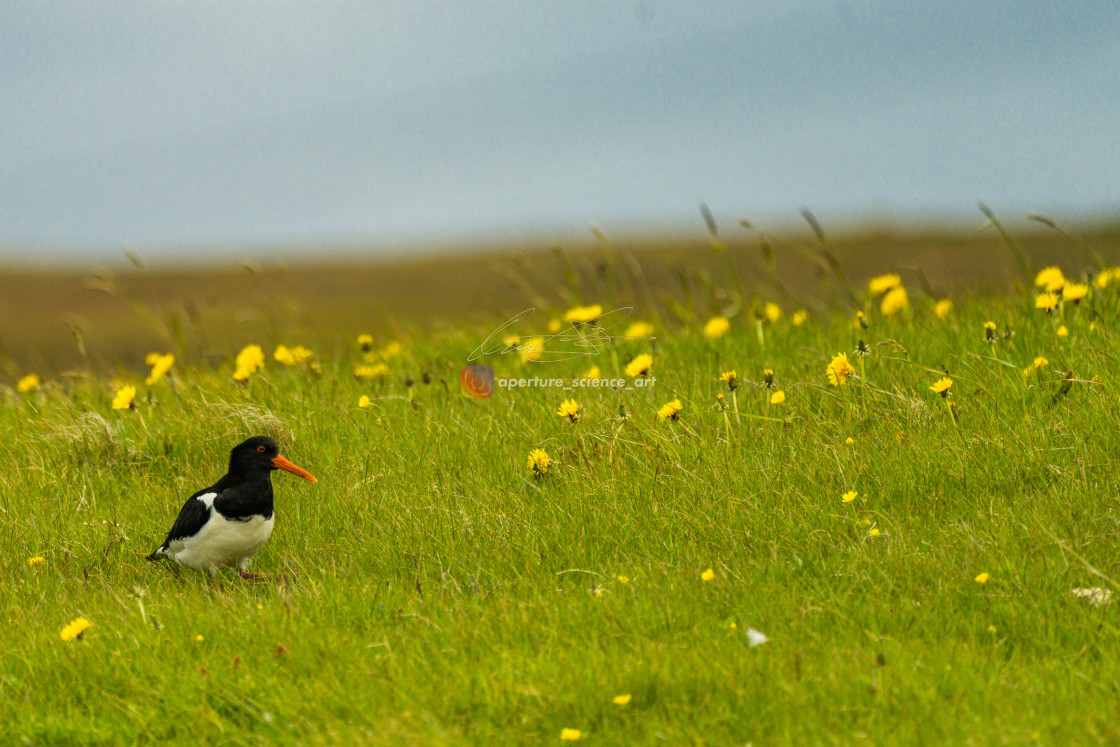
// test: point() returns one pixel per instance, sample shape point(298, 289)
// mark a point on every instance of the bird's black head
point(260, 454)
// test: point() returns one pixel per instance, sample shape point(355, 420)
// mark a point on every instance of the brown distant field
point(54, 320)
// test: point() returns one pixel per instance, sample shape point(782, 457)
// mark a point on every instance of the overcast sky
point(160, 124)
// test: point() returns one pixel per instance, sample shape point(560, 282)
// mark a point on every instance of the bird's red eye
point(261, 448)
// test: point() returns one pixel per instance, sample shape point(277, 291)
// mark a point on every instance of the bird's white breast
point(222, 541)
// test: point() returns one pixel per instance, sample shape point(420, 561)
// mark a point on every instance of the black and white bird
point(228, 522)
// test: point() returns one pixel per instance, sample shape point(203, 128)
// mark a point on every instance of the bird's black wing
point(192, 516)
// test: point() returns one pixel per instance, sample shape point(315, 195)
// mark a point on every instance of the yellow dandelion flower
point(707, 575)
point(1050, 279)
point(592, 373)
point(512, 342)
point(283, 355)
point(991, 628)
point(198, 638)
point(161, 364)
point(74, 629)
point(943, 307)
point(569, 409)
point(37, 560)
point(1075, 291)
point(895, 301)
point(369, 372)
point(583, 314)
point(883, 283)
point(799, 317)
point(1039, 362)
point(539, 462)
point(849, 440)
point(570, 735)
point(639, 366)
point(624, 579)
point(1063, 331)
point(849, 496)
point(777, 397)
point(716, 327)
point(772, 311)
point(839, 369)
point(731, 379)
point(621, 700)
point(982, 578)
point(874, 532)
point(391, 349)
point(1046, 301)
point(248, 361)
point(363, 401)
point(942, 385)
point(28, 383)
point(530, 350)
point(553, 325)
point(1105, 277)
point(123, 398)
point(860, 321)
point(365, 342)
point(670, 410)
point(639, 329)
point(990, 335)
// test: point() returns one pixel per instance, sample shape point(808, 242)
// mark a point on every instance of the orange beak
point(282, 463)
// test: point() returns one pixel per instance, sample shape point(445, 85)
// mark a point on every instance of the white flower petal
point(756, 637)
point(1095, 596)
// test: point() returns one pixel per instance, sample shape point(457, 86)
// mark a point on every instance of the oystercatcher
point(228, 522)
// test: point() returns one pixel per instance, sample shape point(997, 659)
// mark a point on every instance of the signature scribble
point(578, 340)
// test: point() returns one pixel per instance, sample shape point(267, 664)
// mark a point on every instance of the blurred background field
point(54, 318)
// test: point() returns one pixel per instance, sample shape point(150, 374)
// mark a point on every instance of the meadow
point(883, 513)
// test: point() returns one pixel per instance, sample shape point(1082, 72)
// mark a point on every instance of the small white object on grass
point(1095, 596)
point(756, 637)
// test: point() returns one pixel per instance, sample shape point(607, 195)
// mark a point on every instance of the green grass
point(445, 596)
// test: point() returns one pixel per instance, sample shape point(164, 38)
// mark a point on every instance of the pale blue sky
point(167, 124)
